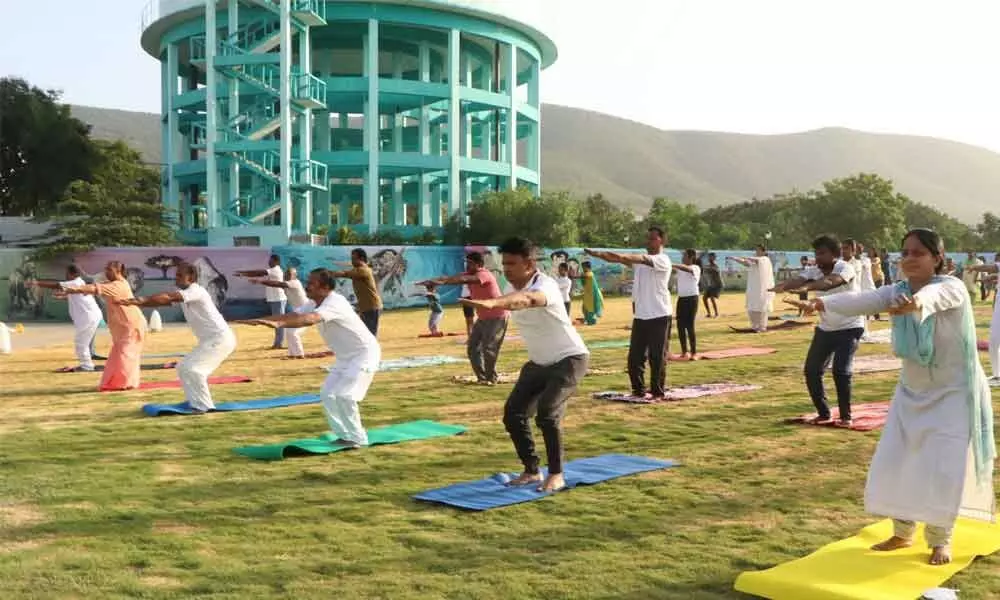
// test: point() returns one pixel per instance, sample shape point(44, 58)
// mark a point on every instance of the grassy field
point(98, 501)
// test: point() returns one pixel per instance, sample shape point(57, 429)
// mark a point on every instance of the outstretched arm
point(685, 268)
point(981, 268)
point(270, 283)
point(461, 279)
point(291, 320)
point(854, 304)
point(164, 299)
point(515, 301)
point(252, 273)
point(622, 259)
point(89, 288)
point(789, 285)
point(49, 285)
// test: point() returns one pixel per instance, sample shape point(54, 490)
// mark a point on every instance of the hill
point(631, 163)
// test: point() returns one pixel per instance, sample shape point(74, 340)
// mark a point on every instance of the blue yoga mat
point(159, 410)
point(494, 493)
point(166, 355)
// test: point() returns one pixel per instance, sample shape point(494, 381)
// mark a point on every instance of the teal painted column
point(510, 63)
point(424, 134)
point(233, 21)
point(211, 113)
point(305, 132)
point(285, 100)
point(454, 120)
point(372, 126)
point(324, 138)
point(169, 122)
point(343, 211)
point(535, 141)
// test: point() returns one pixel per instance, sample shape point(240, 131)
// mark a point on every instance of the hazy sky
point(926, 67)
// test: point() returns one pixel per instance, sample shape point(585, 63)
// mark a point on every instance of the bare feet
point(940, 555)
point(553, 483)
point(526, 479)
point(819, 420)
point(893, 543)
point(695, 357)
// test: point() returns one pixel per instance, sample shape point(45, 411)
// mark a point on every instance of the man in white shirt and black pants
point(275, 296)
point(347, 336)
point(557, 361)
point(216, 340)
point(296, 296)
point(653, 316)
point(836, 335)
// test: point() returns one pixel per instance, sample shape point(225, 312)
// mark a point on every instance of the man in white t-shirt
point(275, 296)
point(216, 340)
point(565, 287)
point(346, 335)
point(653, 316)
point(296, 296)
point(836, 335)
point(557, 361)
point(85, 314)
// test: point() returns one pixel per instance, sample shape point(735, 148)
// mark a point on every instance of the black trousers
point(687, 310)
point(650, 338)
point(370, 319)
point(841, 345)
point(542, 392)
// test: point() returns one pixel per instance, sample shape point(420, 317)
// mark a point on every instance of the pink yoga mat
point(983, 345)
point(864, 417)
point(165, 385)
point(727, 353)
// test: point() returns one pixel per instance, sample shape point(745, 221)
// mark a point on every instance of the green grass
point(97, 501)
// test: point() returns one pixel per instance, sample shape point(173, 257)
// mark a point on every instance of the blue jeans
point(278, 308)
point(841, 345)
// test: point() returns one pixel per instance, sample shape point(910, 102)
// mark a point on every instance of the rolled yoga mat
point(850, 570)
point(183, 408)
point(493, 492)
point(391, 434)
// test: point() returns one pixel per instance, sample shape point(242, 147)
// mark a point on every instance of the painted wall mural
point(397, 270)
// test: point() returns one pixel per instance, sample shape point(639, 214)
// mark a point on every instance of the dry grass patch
point(20, 515)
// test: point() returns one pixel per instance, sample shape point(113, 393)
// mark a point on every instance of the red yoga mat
point(165, 385)
point(983, 345)
point(864, 417)
point(727, 353)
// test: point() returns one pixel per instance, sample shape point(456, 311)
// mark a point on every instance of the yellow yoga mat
point(849, 570)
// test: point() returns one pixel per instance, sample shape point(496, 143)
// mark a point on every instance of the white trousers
point(344, 388)
point(293, 335)
point(995, 342)
point(193, 370)
point(82, 337)
point(758, 320)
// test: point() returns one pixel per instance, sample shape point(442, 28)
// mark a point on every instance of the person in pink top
point(490, 327)
point(127, 326)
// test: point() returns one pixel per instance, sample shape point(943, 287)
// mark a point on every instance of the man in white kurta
point(923, 468)
point(275, 296)
point(760, 280)
point(983, 271)
point(85, 314)
point(358, 354)
point(216, 340)
point(296, 296)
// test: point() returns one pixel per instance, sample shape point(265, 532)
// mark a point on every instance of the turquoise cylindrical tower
point(284, 117)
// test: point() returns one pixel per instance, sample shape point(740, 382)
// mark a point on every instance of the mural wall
point(397, 270)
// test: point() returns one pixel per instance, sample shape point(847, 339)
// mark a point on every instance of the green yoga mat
point(609, 344)
point(391, 434)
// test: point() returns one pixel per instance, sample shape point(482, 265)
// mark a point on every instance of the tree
point(957, 235)
point(601, 224)
point(549, 220)
point(42, 149)
point(119, 207)
point(864, 207)
point(683, 224)
point(163, 263)
point(989, 231)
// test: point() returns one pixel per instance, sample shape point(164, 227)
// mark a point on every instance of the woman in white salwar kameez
point(760, 279)
point(934, 461)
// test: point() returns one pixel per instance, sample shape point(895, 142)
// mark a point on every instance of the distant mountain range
point(631, 163)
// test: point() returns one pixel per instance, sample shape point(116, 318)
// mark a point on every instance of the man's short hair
point(475, 258)
point(324, 277)
point(518, 246)
point(829, 242)
point(188, 269)
point(360, 253)
point(73, 271)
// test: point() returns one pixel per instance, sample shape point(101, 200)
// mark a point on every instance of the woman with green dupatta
point(593, 300)
point(934, 461)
